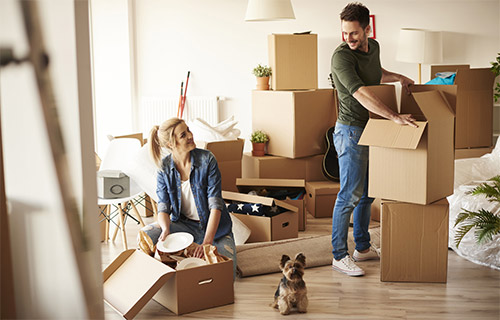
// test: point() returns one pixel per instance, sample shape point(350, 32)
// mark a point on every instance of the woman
point(189, 191)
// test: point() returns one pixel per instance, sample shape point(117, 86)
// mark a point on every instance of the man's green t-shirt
point(352, 69)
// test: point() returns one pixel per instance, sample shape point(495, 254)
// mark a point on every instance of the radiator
point(155, 110)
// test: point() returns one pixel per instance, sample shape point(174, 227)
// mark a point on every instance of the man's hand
point(405, 119)
point(405, 83)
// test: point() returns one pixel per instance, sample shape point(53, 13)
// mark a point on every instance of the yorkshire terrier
point(292, 291)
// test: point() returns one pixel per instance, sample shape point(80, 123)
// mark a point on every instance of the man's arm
point(372, 103)
point(388, 76)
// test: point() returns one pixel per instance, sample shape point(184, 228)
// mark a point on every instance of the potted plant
point(259, 139)
point(262, 73)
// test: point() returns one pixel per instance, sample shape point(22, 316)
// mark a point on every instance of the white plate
point(175, 242)
point(190, 263)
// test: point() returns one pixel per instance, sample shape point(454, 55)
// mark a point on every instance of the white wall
point(46, 278)
point(212, 40)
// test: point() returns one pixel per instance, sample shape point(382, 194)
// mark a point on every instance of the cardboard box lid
point(323, 187)
point(257, 199)
point(388, 134)
point(128, 287)
point(258, 182)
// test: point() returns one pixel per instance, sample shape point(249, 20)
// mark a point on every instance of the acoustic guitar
point(330, 166)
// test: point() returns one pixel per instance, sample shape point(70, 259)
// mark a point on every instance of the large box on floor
point(228, 155)
point(293, 59)
point(321, 196)
point(134, 277)
point(296, 121)
point(414, 242)
point(473, 104)
point(275, 167)
point(282, 188)
point(409, 164)
point(263, 228)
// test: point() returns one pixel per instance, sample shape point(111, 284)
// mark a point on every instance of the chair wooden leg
point(122, 226)
point(138, 216)
point(106, 233)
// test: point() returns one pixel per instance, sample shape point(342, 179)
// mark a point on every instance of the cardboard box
point(228, 155)
point(275, 167)
point(472, 103)
point(375, 210)
point(472, 152)
point(296, 121)
point(294, 61)
point(281, 226)
point(409, 164)
point(134, 277)
point(321, 196)
point(414, 242)
point(292, 185)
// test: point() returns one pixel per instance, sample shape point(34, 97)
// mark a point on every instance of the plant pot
point(262, 83)
point(258, 149)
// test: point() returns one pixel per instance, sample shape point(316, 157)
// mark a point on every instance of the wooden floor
point(472, 291)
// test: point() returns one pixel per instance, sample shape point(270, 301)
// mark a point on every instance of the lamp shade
point(419, 46)
point(269, 10)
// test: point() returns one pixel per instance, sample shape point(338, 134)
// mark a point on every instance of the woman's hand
point(164, 234)
point(198, 252)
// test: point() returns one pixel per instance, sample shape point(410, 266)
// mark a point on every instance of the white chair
point(119, 156)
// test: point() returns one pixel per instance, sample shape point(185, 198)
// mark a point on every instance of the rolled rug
point(317, 249)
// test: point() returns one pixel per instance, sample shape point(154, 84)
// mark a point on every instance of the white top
point(188, 206)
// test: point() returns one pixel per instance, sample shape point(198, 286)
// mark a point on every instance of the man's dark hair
point(356, 11)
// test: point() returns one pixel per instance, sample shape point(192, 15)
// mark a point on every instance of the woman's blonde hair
point(162, 136)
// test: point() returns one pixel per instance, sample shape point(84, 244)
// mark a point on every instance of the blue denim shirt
point(205, 179)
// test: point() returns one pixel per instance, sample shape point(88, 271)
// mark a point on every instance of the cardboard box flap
point(475, 79)
point(433, 105)
point(388, 134)
point(447, 68)
point(235, 196)
point(132, 279)
point(295, 183)
point(387, 94)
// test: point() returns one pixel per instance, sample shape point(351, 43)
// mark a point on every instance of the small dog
point(292, 291)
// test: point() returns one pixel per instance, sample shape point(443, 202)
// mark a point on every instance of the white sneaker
point(372, 254)
point(346, 265)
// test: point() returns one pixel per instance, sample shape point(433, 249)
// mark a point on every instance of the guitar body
point(330, 166)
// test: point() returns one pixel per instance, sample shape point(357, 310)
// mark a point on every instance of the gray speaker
point(112, 184)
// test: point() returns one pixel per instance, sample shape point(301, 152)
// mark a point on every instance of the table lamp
point(269, 10)
point(419, 46)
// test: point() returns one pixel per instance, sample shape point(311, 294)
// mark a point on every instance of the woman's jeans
point(353, 194)
point(225, 245)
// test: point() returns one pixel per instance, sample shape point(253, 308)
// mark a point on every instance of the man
point(355, 66)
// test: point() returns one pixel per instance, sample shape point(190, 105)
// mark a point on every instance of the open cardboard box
point(409, 164)
point(134, 277)
point(293, 185)
point(471, 99)
point(278, 227)
point(228, 154)
point(414, 241)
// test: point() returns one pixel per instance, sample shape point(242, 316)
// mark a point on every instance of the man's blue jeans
point(353, 195)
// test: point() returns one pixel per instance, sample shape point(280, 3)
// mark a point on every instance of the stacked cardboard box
point(413, 169)
point(295, 114)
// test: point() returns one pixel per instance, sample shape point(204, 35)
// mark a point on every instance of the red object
point(179, 113)
point(185, 93)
